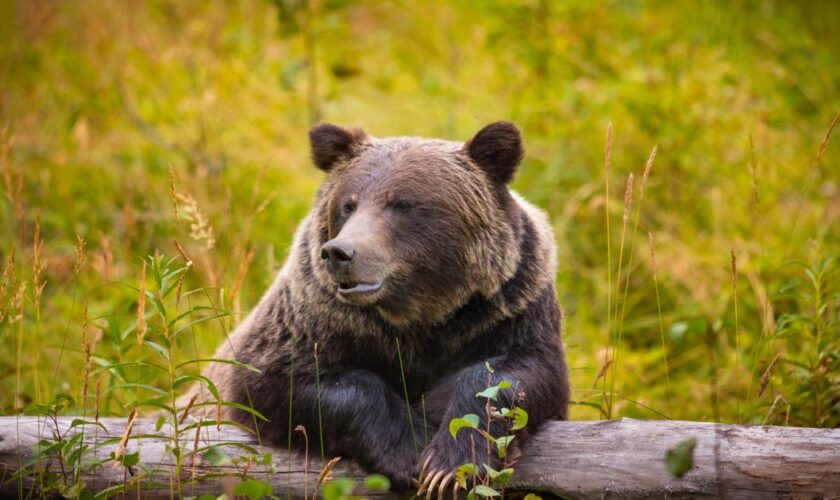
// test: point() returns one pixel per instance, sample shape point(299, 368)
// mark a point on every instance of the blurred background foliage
point(99, 100)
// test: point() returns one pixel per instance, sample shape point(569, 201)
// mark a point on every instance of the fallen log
point(598, 459)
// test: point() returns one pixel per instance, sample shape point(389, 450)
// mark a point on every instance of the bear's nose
point(338, 255)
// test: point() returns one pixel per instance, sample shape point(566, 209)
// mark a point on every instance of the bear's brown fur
point(416, 265)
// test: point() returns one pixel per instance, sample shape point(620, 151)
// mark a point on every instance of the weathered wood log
point(600, 459)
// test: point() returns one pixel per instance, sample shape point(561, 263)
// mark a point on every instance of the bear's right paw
point(440, 462)
point(397, 465)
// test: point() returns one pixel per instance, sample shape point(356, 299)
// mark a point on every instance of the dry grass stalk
point(187, 409)
point(179, 289)
point(646, 174)
point(195, 447)
point(608, 152)
point(172, 193)
point(183, 253)
point(325, 475)
point(218, 415)
point(37, 266)
point(104, 264)
point(12, 182)
point(96, 400)
point(200, 228)
point(302, 430)
point(733, 264)
point(826, 137)
point(86, 350)
point(244, 265)
point(765, 378)
point(18, 296)
point(628, 199)
point(141, 307)
point(607, 170)
point(8, 278)
point(119, 452)
point(80, 254)
point(601, 373)
point(6, 140)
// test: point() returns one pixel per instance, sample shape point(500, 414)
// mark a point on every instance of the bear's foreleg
point(538, 385)
point(361, 417)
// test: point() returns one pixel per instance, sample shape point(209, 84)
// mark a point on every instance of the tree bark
point(599, 459)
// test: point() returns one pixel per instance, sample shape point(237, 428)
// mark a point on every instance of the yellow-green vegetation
point(710, 291)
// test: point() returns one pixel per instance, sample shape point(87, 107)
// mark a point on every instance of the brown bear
point(415, 268)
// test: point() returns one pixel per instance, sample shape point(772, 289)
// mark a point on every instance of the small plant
point(483, 480)
point(807, 349)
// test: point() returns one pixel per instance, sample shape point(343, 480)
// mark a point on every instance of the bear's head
point(414, 227)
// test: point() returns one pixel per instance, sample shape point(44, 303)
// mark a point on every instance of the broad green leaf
point(183, 379)
point(377, 482)
point(502, 444)
point(463, 473)
point(253, 489)
point(339, 489)
point(469, 420)
point(486, 491)
point(130, 459)
point(491, 392)
point(216, 456)
point(78, 421)
point(499, 476)
point(680, 459)
point(520, 418)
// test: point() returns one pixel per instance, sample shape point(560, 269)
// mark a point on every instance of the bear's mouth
point(355, 288)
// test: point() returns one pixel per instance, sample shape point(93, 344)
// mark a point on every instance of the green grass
point(98, 102)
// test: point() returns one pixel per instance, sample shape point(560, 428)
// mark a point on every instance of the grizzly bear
point(415, 269)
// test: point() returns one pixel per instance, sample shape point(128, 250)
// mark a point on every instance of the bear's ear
point(497, 149)
point(331, 144)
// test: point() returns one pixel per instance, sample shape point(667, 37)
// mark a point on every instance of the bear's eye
point(401, 205)
point(348, 208)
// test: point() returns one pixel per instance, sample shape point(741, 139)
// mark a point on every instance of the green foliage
point(477, 480)
point(253, 489)
point(680, 459)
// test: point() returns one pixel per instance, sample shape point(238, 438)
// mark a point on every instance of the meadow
point(143, 137)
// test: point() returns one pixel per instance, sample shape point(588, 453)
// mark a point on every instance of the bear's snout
point(339, 255)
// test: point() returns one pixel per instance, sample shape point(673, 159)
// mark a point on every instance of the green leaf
point(463, 472)
point(78, 421)
point(197, 321)
point(339, 489)
point(680, 458)
point(377, 482)
point(500, 476)
point(183, 379)
point(504, 384)
point(486, 491)
point(253, 489)
point(216, 456)
point(491, 392)
point(502, 444)
point(520, 418)
point(159, 423)
point(130, 459)
point(469, 420)
point(531, 496)
point(157, 348)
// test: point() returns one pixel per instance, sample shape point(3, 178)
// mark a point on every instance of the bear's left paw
point(440, 462)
